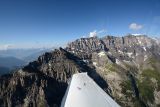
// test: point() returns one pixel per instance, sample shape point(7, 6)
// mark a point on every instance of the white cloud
point(6, 46)
point(93, 34)
point(96, 33)
point(135, 26)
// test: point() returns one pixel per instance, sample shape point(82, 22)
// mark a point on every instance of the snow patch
point(81, 50)
point(86, 61)
point(145, 57)
point(94, 63)
point(129, 54)
point(136, 34)
point(109, 53)
point(21, 72)
point(120, 51)
point(137, 54)
point(118, 62)
point(126, 61)
point(49, 64)
point(139, 41)
point(100, 54)
point(144, 48)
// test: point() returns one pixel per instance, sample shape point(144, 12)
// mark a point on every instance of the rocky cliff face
point(130, 66)
point(43, 82)
point(127, 68)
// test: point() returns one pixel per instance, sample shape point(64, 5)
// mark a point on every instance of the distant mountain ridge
point(127, 68)
point(11, 62)
point(8, 64)
point(12, 59)
point(4, 70)
point(22, 53)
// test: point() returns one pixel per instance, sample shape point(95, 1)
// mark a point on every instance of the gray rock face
point(125, 63)
point(43, 82)
point(127, 68)
point(86, 44)
point(124, 48)
point(37, 85)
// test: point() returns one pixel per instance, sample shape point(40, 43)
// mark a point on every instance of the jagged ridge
point(117, 64)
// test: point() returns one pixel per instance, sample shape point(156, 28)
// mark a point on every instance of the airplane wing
point(84, 92)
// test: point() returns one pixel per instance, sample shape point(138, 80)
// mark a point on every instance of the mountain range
point(11, 59)
point(127, 68)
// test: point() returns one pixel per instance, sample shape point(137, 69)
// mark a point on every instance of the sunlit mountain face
point(46, 45)
point(126, 68)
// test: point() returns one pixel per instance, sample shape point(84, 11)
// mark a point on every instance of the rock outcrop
point(125, 63)
point(43, 82)
point(127, 68)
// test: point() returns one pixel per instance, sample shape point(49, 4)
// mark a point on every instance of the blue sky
point(38, 23)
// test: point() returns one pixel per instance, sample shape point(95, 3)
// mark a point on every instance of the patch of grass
point(148, 73)
point(138, 103)
point(41, 103)
point(131, 68)
point(127, 88)
point(128, 92)
point(146, 86)
point(110, 67)
point(146, 90)
point(152, 61)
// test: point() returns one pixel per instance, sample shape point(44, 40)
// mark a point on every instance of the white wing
point(84, 92)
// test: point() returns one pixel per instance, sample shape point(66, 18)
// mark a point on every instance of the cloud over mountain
point(96, 33)
point(135, 26)
point(93, 34)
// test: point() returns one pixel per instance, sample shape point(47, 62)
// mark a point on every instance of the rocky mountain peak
point(86, 45)
point(119, 65)
point(43, 82)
